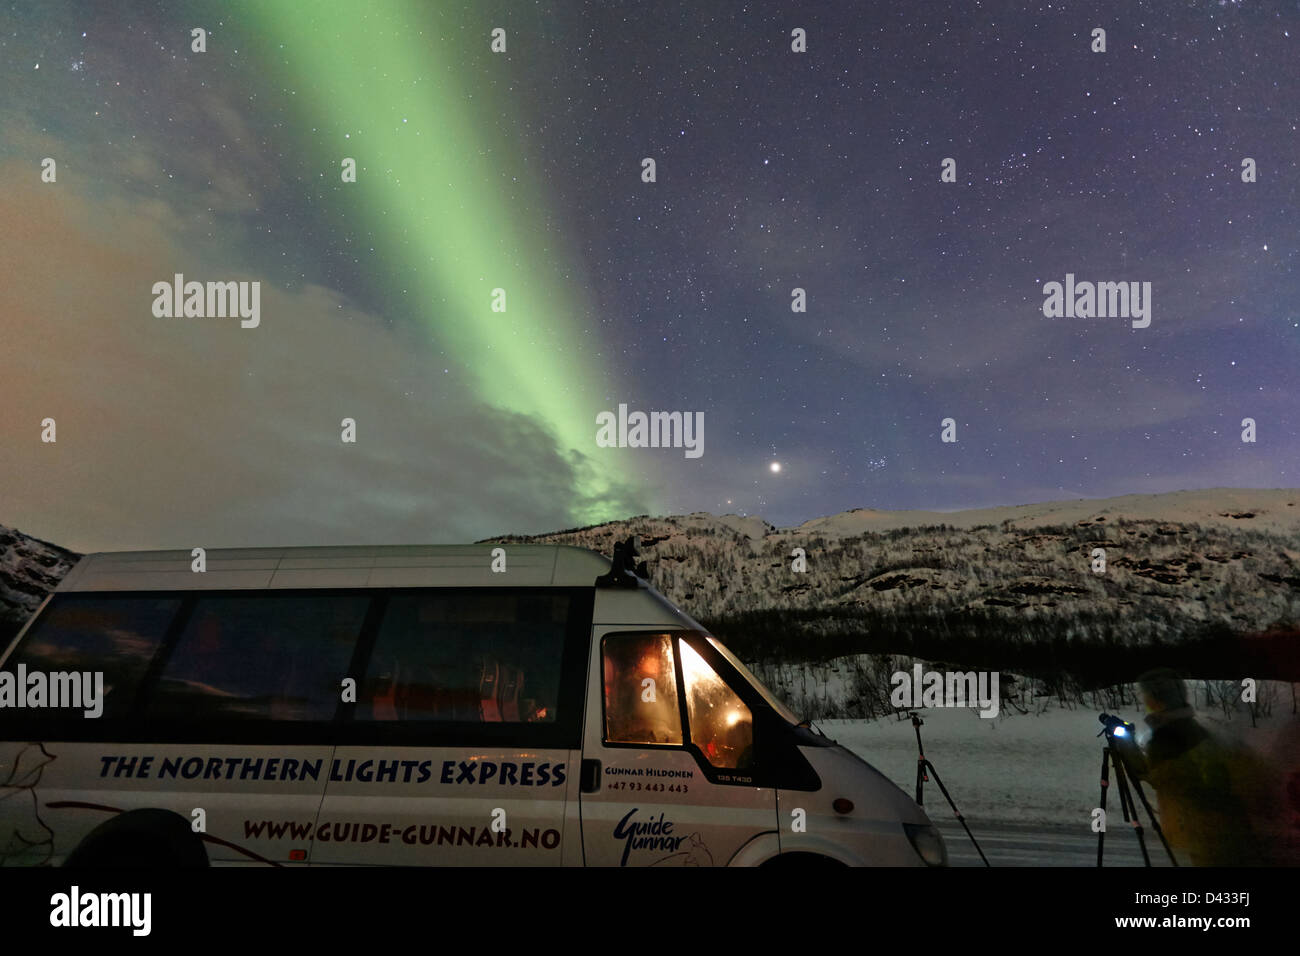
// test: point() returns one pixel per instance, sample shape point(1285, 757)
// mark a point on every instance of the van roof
point(527, 565)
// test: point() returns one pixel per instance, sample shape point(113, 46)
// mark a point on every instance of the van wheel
point(803, 861)
point(148, 839)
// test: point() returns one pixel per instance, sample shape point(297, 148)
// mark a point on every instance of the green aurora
point(432, 196)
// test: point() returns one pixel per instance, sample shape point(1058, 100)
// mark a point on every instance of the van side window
point(269, 657)
point(480, 658)
point(98, 632)
point(641, 690)
point(721, 725)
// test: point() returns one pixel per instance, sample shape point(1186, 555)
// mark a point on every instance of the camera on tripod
point(1122, 752)
point(1117, 727)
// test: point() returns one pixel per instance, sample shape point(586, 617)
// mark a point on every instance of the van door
point(246, 695)
point(669, 771)
point(467, 718)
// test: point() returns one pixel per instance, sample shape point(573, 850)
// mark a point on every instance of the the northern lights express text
point(525, 773)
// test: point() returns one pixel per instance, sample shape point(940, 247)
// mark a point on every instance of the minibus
point(483, 705)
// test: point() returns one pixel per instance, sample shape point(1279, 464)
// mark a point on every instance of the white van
point(412, 706)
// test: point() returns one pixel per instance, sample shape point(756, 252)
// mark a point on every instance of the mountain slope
point(29, 569)
point(1174, 563)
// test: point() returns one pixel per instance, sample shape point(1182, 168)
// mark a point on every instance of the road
point(1011, 844)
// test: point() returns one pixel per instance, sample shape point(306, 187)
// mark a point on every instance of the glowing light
point(694, 667)
point(775, 467)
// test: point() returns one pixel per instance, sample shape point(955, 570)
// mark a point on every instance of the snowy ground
point(1027, 784)
point(1023, 769)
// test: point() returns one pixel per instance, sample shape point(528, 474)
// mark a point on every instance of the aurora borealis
point(391, 93)
point(522, 171)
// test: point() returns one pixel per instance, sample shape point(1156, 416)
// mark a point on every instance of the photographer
point(1196, 777)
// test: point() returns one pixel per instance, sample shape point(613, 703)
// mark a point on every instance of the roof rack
point(625, 572)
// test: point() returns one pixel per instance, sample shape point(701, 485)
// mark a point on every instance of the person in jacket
point(1199, 780)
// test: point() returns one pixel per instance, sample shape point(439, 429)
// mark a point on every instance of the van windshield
point(754, 682)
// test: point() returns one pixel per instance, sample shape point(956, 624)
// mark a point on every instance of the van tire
point(141, 839)
point(803, 861)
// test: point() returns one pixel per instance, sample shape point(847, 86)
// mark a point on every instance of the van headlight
point(927, 843)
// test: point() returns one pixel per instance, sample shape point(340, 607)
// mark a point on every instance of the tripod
point(1113, 756)
point(922, 765)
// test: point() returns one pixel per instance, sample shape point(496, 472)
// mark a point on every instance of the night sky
point(522, 170)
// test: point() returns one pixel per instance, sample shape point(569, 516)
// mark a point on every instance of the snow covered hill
point(1174, 563)
point(29, 569)
point(1228, 555)
point(1261, 509)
